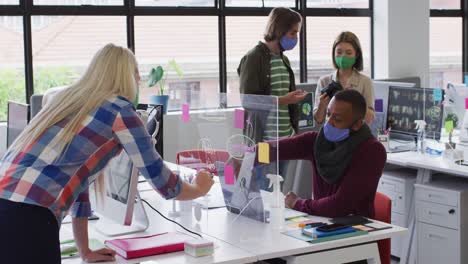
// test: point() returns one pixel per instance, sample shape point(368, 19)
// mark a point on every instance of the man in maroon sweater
point(347, 161)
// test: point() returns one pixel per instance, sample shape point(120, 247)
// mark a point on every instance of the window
point(445, 4)
point(63, 46)
point(174, 3)
point(338, 3)
point(242, 34)
point(78, 2)
point(322, 32)
point(192, 42)
point(12, 85)
point(445, 51)
point(9, 2)
point(260, 3)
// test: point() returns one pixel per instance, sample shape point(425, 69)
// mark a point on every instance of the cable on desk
point(170, 220)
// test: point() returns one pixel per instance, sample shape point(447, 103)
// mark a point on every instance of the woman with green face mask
point(348, 62)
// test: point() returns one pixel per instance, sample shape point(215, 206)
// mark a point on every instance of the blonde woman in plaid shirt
point(47, 170)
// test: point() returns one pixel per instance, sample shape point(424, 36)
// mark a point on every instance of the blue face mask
point(334, 134)
point(288, 43)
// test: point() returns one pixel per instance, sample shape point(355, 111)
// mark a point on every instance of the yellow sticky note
point(449, 126)
point(264, 153)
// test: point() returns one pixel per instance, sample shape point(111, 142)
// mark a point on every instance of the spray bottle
point(277, 202)
point(421, 127)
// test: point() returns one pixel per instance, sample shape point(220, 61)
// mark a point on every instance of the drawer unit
point(437, 214)
point(395, 192)
point(398, 185)
point(438, 245)
point(398, 241)
point(442, 221)
point(437, 196)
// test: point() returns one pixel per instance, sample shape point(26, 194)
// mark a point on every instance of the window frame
point(27, 9)
point(457, 13)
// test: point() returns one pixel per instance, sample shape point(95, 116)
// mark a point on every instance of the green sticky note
point(449, 126)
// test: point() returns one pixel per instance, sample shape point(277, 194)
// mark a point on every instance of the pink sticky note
point(239, 118)
point(228, 174)
point(466, 103)
point(185, 113)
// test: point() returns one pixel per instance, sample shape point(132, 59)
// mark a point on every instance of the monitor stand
point(140, 222)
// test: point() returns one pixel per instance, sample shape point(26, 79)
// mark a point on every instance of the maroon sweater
point(354, 193)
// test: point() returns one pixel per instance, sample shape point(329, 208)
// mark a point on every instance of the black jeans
point(28, 234)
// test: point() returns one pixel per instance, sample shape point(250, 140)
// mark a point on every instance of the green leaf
point(155, 76)
point(176, 67)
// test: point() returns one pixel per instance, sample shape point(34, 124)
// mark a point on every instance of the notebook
point(137, 247)
point(314, 233)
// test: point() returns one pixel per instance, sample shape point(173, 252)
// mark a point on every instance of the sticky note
point(378, 105)
point(185, 113)
point(437, 95)
point(239, 118)
point(466, 80)
point(228, 174)
point(466, 103)
point(449, 126)
point(264, 152)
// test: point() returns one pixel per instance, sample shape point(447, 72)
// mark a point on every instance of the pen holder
point(384, 140)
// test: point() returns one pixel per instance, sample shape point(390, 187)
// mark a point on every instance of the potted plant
point(158, 75)
point(449, 128)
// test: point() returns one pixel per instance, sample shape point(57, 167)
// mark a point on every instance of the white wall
point(401, 39)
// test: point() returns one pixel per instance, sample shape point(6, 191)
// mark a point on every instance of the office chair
point(383, 213)
point(201, 159)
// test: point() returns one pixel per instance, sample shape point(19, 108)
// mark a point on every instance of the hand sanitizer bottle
point(277, 202)
point(421, 127)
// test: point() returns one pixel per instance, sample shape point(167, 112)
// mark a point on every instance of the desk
point(245, 240)
point(426, 166)
point(224, 252)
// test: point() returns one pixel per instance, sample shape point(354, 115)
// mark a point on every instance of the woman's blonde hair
point(110, 73)
point(280, 21)
point(351, 38)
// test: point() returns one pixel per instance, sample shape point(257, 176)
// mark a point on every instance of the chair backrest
point(197, 158)
point(383, 213)
point(36, 104)
point(382, 208)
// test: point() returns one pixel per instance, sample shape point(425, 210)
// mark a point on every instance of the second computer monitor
point(406, 105)
point(18, 119)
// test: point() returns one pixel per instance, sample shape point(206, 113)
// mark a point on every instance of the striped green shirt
point(279, 87)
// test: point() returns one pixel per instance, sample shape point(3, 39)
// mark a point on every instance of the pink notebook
point(137, 247)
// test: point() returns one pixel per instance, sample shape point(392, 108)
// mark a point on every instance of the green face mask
point(345, 62)
point(137, 97)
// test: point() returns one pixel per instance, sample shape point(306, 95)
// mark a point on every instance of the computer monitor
point(154, 125)
point(381, 89)
point(120, 211)
point(17, 120)
point(405, 105)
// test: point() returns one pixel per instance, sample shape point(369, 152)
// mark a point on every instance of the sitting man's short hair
point(357, 101)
